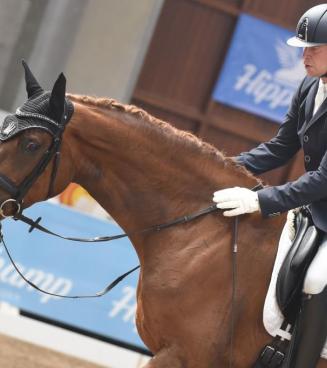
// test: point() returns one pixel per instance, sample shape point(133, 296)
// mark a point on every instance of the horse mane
point(188, 139)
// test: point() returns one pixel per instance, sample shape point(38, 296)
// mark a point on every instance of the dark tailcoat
point(299, 130)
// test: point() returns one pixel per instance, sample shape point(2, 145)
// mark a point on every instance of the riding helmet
point(311, 29)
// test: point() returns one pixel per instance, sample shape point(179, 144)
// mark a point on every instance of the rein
point(35, 225)
point(179, 220)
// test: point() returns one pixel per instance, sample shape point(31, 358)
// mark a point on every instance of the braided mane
point(153, 123)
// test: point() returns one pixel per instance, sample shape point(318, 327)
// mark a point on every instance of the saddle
point(289, 287)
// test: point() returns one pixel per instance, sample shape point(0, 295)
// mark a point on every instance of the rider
point(305, 126)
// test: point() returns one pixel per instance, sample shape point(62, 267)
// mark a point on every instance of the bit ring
point(10, 200)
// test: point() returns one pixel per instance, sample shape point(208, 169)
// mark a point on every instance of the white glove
point(238, 200)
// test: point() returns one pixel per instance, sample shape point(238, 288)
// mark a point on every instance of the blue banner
point(70, 268)
point(261, 72)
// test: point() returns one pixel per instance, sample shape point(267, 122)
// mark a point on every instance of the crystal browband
point(19, 113)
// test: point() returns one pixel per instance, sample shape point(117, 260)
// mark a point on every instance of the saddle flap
point(292, 272)
point(305, 249)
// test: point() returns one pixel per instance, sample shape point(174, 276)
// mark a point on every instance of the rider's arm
point(308, 188)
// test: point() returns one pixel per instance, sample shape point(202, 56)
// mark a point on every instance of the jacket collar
point(310, 100)
point(309, 105)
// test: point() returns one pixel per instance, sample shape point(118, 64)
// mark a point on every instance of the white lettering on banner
point(262, 86)
point(43, 280)
point(126, 306)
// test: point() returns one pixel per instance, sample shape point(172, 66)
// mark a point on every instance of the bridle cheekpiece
point(49, 111)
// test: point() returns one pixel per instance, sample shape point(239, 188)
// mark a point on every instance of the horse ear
point(32, 86)
point(57, 99)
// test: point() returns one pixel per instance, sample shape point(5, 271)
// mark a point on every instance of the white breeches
point(316, 276)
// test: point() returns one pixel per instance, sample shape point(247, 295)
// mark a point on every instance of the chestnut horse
point(145, 172)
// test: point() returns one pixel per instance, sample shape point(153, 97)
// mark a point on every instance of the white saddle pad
point(272, 316)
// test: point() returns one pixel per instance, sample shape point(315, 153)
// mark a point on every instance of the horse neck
point(144, 174)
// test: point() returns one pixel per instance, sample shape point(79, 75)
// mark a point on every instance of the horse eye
point(32, 146)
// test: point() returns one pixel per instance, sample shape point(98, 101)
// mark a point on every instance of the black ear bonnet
point(50, 111)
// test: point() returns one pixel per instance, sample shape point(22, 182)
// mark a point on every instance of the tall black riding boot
point(310, 333)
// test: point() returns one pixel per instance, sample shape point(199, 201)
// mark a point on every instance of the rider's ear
point(32, 86)
point(57, 99)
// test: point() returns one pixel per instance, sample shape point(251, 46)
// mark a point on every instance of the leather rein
point(156, 228)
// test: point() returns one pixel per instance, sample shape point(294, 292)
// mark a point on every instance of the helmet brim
point(297, 42)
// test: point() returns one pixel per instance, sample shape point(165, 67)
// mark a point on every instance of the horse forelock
point(193, 143)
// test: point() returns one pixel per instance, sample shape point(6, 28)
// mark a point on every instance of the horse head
point(30, 140)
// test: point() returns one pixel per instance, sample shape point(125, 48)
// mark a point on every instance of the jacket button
point(305, 138)
point(307, 158)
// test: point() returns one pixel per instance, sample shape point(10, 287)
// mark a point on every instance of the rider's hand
point(237, 200)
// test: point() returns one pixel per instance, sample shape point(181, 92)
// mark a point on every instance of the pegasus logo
point(292, 69)
point(275, 88)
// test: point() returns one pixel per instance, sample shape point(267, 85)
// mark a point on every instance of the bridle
point(18, 192)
